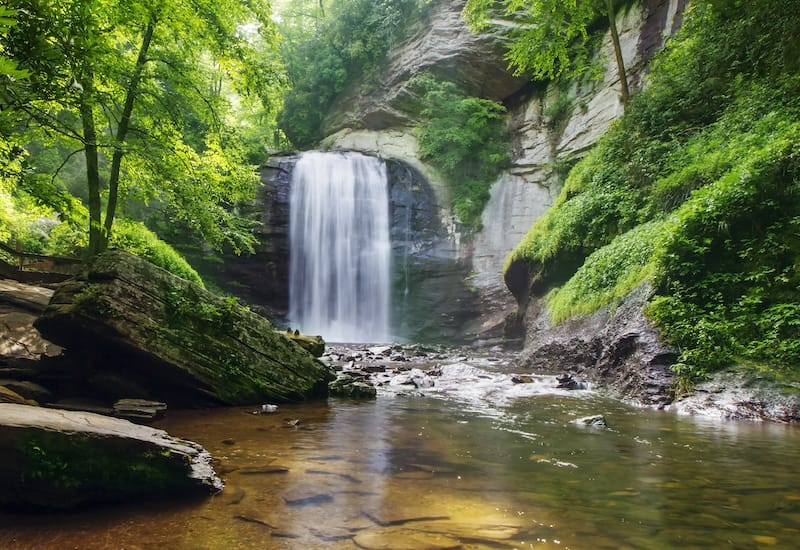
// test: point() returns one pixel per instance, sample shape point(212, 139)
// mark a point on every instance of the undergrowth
point(697, 190)
point(466, 139)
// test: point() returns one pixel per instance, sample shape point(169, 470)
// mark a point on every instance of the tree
point(9, 69)
point(549, 38)
point(134, 86)
point(327, 49)
point(10, 153)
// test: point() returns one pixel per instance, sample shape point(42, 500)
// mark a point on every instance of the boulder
point(616, 348)
point(351, 387)
point(314, 345)
point(19, 305)
point(27, 389)
point(593, 421)
point(139, 410)
point(742, 393)
point(53, 458)
point(182, 344)
point(8, 395)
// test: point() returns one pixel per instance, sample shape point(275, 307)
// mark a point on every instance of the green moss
point(233, 350)
point(81, 464)
point(135, 238)
point(608, 274)
point(593, 207)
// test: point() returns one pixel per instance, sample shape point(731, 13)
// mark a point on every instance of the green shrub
point(135, 238)
point(466, 139)
point(707, 160)
point(729, 273)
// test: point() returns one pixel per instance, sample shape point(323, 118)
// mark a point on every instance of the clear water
point(494, 466)
point(340, 249)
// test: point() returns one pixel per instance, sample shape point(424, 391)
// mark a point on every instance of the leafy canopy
point(136, 88)
point(548, 38)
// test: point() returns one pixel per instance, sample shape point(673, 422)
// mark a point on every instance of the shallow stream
point(475, 461)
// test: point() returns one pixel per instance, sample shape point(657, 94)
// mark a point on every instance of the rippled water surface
point(478, 463)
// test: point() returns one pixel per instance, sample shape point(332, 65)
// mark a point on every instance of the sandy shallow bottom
point(477, 462)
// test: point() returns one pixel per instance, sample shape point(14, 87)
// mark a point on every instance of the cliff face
point(443, 47)
point(448, 283)
point(431, 300)
point(551, 127)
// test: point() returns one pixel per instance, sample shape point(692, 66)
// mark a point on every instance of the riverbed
point(468, 459)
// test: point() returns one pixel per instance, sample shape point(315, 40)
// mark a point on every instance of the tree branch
point(64, 163)
point(124, 122)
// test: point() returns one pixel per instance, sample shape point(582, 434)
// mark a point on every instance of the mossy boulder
point(314, 345)
point(178, 342)
point(353, 388)
point(53, 458)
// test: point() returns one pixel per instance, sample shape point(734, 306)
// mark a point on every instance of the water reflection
point(414, 472)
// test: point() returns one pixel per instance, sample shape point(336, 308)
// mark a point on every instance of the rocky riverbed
point(477, 375)
point(494, 376)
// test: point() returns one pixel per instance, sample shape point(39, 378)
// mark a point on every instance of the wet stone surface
point(478, 462)
point(419, 370)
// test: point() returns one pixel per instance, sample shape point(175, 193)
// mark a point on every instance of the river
point(475, 461)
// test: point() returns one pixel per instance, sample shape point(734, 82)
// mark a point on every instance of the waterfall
point(340, 250)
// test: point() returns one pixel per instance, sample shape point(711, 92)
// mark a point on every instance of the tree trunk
point(623, 77)
point(122, 129)
point(97, 242)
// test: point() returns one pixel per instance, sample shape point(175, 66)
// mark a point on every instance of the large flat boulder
point(135, 331)
point(20, 304)
point(53, 458)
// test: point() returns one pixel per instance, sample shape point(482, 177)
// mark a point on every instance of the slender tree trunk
point(623, 77)
point(122, 130)
point(96, 240)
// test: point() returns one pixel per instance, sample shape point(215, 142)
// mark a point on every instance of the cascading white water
point(340, 248)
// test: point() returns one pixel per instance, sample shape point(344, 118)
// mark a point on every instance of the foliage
point(466, 139)
point(9, 68)
point(729, 271)
point(35, 228)
point(136, 89)
point(549, 38)
point(326, 49)
point(608, 274)
point(135, 238)
point(695, 188)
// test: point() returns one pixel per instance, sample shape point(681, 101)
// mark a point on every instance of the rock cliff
point(551, 127)
point(443, 47)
